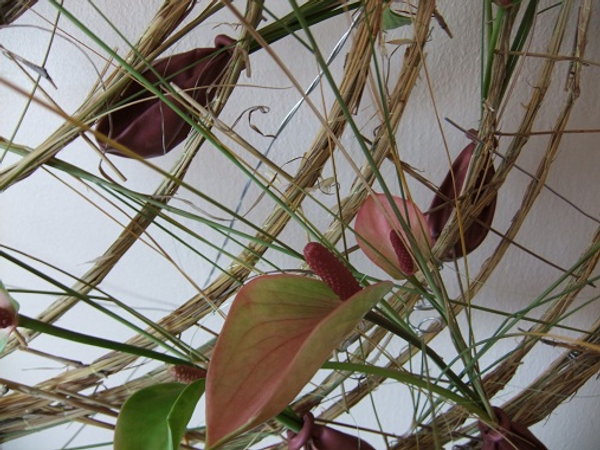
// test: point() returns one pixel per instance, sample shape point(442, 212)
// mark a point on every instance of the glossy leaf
point(278, 333)
point(147, 125)
point(375, 223)
point(155, 418)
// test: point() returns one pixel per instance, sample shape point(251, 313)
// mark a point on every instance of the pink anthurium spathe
point(278, 333)
point(9, 317)
point(148, 126)
point(382, 238)
point(319, 437)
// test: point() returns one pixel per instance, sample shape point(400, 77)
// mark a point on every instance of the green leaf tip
point(155, 418)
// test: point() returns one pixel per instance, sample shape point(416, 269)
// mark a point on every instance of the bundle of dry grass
point(79, 394)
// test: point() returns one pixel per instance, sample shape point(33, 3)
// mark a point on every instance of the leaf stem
point(311, 13)
point(63, 333)
point(289, 419)
point(418, 343)
point(411, 380)
point(490, 53)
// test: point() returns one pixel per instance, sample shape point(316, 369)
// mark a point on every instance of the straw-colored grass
point(60, 399)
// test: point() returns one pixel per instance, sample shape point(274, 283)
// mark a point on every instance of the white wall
point(43, 217)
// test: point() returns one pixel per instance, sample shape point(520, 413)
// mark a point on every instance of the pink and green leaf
point(280, 330)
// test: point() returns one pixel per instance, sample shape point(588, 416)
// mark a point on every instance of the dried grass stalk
point(58, 399)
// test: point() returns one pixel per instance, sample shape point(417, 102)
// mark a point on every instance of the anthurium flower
point(319, 437)
point(147, 125)
point(382, 237)
point(278, 333)
point(8, 315)
point(507, 435)
point(444, 203)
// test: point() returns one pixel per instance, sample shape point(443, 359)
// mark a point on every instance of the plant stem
point(289, 419)
point(490, 53)
point(63, 333)
point(411, 380)
point(519, 41)
point(312, 13)
point(418, 343)
point(99, 307)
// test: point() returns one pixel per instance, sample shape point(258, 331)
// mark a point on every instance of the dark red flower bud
point(331, 270)
point(187, 374)
point(443, 204)
point(507, 435)
point(146, 125)
point(319, 437)
point(8, 310)
point(7, 318)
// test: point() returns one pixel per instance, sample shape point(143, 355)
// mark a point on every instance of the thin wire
point(286, 120)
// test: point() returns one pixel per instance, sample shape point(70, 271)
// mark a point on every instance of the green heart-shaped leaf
point(393, 20)
point(279, 331)
point(155, 418)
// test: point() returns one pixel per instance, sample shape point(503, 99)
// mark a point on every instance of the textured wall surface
point(45, 216)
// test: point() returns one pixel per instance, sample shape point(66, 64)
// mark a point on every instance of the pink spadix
point(331, 270)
